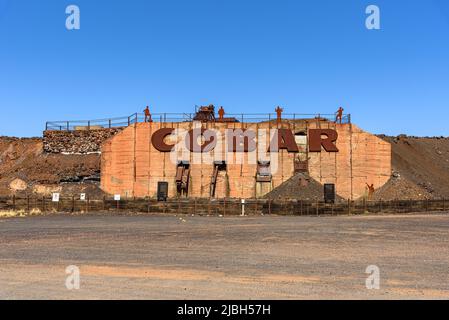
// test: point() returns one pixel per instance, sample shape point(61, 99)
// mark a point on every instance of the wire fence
point(180, 117)
point(218, 207)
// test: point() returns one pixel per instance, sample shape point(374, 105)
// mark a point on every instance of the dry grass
point(18, 213)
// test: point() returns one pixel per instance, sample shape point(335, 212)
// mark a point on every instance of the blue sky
point(247, 55)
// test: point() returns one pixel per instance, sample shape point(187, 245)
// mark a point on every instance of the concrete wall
point(131, 166)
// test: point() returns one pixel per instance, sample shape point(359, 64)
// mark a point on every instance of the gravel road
point(168, 257)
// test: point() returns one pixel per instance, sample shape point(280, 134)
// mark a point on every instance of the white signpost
point(243, 207)
point(83, 197)
point(55, 197)
point(117, 197)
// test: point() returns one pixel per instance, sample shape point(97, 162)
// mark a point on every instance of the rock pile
point(78, 141)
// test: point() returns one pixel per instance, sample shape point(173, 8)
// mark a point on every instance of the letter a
point(373, 20)
point(73, 20)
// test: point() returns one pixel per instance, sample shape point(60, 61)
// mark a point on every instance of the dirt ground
point(169, 257)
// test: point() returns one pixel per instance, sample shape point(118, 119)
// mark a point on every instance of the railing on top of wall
point(180, 117)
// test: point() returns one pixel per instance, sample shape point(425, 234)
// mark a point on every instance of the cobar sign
point(244, 140)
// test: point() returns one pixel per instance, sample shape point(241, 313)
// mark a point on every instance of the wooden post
point(73, 203)
point(300, 207)
point(208, 207)
point(13, 202)
point(255, 208)
point(87, 203)
point(43, 203)
point(349, 207)
point(224, 206)
point(104, 203)
point(28, 203)
point(317, 208)
point(194, 205)
point(269, 206)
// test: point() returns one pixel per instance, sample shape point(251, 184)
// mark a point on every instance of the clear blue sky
point(247, 55)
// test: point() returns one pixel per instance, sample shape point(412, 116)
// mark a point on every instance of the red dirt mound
point(25, 168)
point(423, 163)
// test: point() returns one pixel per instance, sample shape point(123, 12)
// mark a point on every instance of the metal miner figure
point(279, 111)
point(221, 113)
point(339, 116)
point(370, 191)
point(147, 114)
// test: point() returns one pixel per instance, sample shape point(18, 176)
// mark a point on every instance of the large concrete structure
point(133, 164)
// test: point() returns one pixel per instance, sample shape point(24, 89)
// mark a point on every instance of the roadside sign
point(117, 197)
point(55, 197)
point(83, 197)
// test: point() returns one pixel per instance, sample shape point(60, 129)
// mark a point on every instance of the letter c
point(158, 140)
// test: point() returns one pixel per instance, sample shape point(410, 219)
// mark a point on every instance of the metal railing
point(181, 117)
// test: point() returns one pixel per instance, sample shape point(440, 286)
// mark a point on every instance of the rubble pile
point(301, 187)
point(78, 141)
point(401, 189)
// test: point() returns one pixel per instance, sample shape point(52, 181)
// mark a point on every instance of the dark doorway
point(329, 193)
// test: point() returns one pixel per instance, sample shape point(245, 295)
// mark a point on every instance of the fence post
point(349, 207)
point(73, 203)
point(269, 206)
point(255, 208)
point(28, 203)
point(88, 125)
point(224, 206)
point(317, 208)
point(14, 202)
point(194, 205)
point(208, 207)
point(43, 203)
point(87, 203)
point(300, 207)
